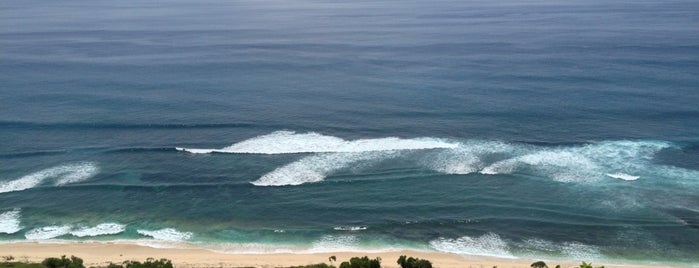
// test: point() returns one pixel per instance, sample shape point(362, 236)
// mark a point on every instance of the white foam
point(10, 222)
point(167, 234)
point(289, 142)
point(564, 166)
point(47, 232)
point(489, 244)
point(64, 174)
point(467, 158)
point(580, 251)
point(349, 228)
point(623, 176)
point(316, 167)
point(585, 163)
point(335, 243)
point(570, 249)
point(100, 229)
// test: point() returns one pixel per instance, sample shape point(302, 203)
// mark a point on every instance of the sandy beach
point(98, 253)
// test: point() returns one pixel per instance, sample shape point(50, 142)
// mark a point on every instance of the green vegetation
point(149, 263)
point(63, 262)
point(355, 262)
point(320, 265)
point(363, 262)
point(75, 262)
point(21, 265)
point(589, 265)
point(411, 262)
point(539, 264)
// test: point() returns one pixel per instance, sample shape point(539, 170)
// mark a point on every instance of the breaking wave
point(62, 175)
point(315, 168)
point(623, 176)
point(100, 229)
point(289, 142)
point(10, 222)
point(595, 161)
point(468, 157)
point(489, 244)
point(349, 228)
point(167, 234)
point(573, 250)
point(335, 243)
point(48, 232)
point(617, 159)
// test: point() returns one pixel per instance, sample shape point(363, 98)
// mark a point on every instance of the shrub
point(539, 264)
point(320, 265)
point(363, 262)
point(411, 262)
point(149, 263)
point(63, 262)
point(589, 265)
point(114, 265)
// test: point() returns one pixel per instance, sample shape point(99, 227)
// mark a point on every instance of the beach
point(101, 254)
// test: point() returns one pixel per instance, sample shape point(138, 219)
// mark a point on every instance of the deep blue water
point(563, 129)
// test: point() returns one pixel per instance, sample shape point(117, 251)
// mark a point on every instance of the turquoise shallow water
point(512, 129)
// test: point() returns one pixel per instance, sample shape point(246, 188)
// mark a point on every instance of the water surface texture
point(562, 129)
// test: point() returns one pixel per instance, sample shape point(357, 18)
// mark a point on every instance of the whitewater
point(624, 160)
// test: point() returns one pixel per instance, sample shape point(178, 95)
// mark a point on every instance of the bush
point(63, 262)
point(149, 263)
point(589, 265)
point(320, 265)
point(411, 262)
point(539, 264)
point(363, 262)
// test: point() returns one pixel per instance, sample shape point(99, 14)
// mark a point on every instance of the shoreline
point(102, 253)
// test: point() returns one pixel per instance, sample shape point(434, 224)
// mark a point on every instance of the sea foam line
point(289, 142)
point(47, 232)
point(10, 222)
point(315, 168)
point(100, 229)
point(166, 234)
point(489, 244)
point(623, 160)
point(63, 174)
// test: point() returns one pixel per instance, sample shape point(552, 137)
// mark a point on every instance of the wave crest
point(47, 232)
point(289, 142)
point(166, 234)
point(64, 174)
point(100, 229)
point(10, 222)
point(489, 244)
point(315, 168)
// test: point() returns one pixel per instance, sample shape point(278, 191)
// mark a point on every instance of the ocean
point(517, 129)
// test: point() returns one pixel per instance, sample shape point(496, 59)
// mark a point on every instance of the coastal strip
point(102, 253)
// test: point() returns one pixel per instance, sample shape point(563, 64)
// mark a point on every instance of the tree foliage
point(410, 262)
point(539, 264)
point(63, 262)
point(589, 265)
point(320, 265)
point(363, 262)
point(149, 263)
